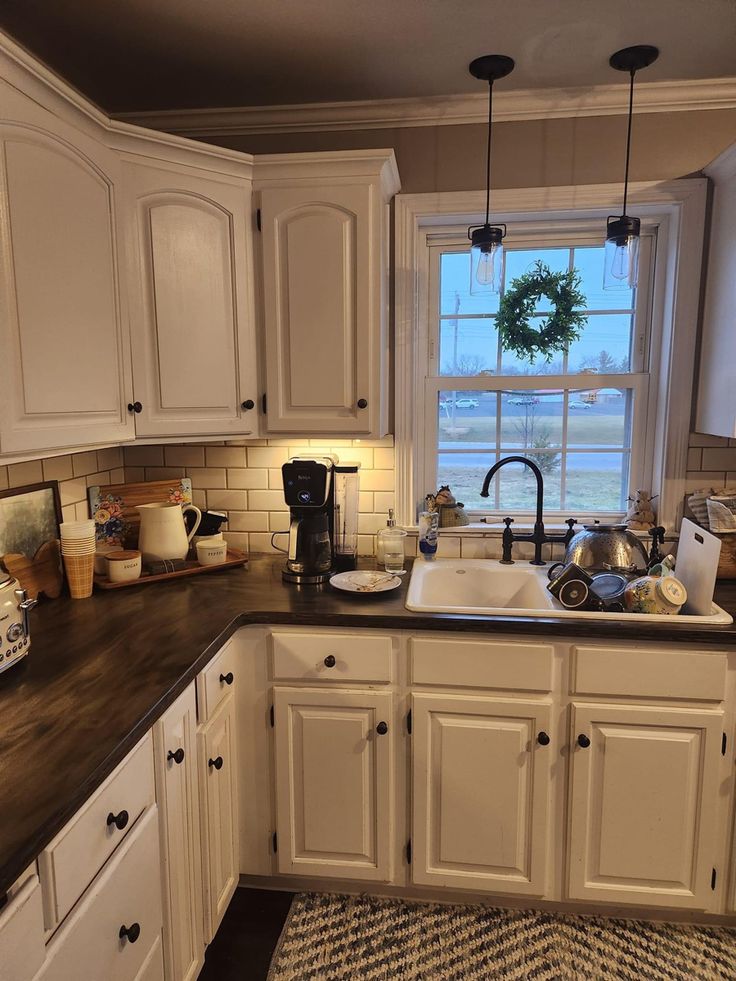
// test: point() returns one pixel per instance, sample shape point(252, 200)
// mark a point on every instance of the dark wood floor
point(247, 936)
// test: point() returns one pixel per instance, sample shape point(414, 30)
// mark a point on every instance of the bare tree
point(535, 436)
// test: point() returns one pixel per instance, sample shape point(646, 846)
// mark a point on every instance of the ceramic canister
point(655, 594)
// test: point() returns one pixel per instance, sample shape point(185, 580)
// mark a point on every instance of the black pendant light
point(621, 260)
point(486, 252)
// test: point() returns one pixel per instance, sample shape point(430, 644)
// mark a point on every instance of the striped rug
point(341, 938)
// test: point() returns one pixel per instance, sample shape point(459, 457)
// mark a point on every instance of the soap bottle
point(380, 538)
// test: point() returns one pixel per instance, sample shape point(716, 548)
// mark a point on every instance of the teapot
point(163, 533)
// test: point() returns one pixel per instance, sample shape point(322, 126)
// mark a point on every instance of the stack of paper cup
point(78, 550)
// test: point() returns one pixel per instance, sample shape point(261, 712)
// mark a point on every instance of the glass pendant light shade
point(486, 259)
point(621, 257)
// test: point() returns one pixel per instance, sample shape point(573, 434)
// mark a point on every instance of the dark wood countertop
point(102, 670)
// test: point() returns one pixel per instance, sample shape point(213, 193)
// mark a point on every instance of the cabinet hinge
point(408, 722)
point(272, 716)
point(258, 219)
point(263, 403)
point(713, 879)
point(408, 852)
point(275, 842)
point(724, 741)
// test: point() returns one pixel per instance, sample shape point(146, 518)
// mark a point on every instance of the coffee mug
point(571, 587)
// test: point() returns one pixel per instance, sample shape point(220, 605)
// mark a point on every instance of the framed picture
point(29, 516)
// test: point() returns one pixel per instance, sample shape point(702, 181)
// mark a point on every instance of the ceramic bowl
point(124, 565)
point(212, 552)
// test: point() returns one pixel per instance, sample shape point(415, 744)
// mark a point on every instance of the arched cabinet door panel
point(65, 371)
point(191, 314)
point(324, 292)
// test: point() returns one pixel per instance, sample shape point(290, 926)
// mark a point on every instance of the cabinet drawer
point(331, 657)
point(21, 932)
point(481, 664)
point(214, 683)
point(79, 851)
point(649, 674)
point(127, 892)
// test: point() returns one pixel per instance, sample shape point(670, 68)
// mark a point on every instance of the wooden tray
point(193, 568)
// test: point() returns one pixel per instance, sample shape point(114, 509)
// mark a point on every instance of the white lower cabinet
point(481, 785)
point(177, 793)
point(333, 753)
point(21, 930)
point(115, 927)
point(219, 809)
point(643, 804)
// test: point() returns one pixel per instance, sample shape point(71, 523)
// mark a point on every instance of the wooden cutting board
point(41, 574)
point(114, 507)
point(696, 566)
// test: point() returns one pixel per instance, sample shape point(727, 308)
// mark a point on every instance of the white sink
point(485, 587)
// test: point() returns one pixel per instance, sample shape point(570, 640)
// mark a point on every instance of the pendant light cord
point(628, 139)
point(488, 149)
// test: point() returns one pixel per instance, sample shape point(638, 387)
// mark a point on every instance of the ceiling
point(136, 55)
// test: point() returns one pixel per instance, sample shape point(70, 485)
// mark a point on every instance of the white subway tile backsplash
point(382, 501)
point(278, 521)
point(377, 480)
point(184, 456)
point(248, 479)
point(719, 458)
point(20, 474)
point(143, 456)
point(267, 456)
point(370, 524)
point(206, 477)
point(383, 458)
point(261, 542)
point(84, 463)
point(248, 520)
point(165, 473)
point(73, 491)
point(225, 500)
point(226, 456)
point(58, 468)
point(236, 539)
point(110, 458)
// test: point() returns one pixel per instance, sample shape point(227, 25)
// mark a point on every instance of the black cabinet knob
point(330, 661)
point(362, 403)
point(176, 755)
point(543, 739)
point(130, 933)
point(583, 741)
point(226, 679)
point(135, 407)
point(248, 404)
point(119, 820)
point(217, 763)
point(381, 728)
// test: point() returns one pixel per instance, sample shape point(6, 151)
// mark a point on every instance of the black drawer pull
point(227, 679)
point(217, 763)
point(381, 728)
point(362, 403)
point(248, 404)
point(119, 820)
point(583, 741)
point(135, 407)
point(130, 933)
point(176, 755)
point(330, 661)
point(543, 739)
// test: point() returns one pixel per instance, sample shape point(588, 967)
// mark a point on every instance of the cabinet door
point(192, 330)
point(322, 308)
point(177, 793)
point(217, 775)
point(643, 801)
point(64, 374)
point(481, 793)
point(333, 783)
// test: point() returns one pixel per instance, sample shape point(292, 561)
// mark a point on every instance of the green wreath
point(517, 307)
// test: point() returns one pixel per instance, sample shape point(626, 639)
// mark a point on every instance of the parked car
point(580, 405)
point(467, 403)
point(523, 400)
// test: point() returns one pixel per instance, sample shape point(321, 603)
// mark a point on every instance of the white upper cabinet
point(324, 237)
point(189, 280)
point(716, 414)
point(65, 374)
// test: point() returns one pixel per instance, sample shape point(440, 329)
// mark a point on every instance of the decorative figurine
point(452, 513)
point(640, 516)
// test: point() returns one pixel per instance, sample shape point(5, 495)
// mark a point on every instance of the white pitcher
point(163, 533)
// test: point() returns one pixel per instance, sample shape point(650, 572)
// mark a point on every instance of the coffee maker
point(323, 503)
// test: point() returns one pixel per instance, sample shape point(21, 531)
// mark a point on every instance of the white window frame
point(675, 210)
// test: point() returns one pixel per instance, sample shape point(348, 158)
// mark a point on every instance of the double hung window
point(582, 416)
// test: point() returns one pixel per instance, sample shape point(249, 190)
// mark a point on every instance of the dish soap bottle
point(381, 538)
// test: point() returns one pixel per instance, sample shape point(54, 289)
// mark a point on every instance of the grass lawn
point(587, 490)
point(584, 429)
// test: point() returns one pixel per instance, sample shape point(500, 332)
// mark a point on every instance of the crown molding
point(445, 110)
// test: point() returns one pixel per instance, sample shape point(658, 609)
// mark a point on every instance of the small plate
point(365, 581)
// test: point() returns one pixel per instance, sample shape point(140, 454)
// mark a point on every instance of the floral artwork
point(115, 508)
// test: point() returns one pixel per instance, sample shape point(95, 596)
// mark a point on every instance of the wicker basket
point(727, 561)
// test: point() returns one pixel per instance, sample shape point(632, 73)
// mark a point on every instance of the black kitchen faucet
point(538, 536)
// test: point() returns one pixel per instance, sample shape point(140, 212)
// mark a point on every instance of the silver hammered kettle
point(607, 548)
